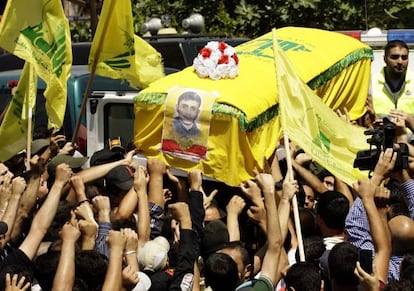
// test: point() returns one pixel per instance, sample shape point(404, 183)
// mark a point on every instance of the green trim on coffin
point(153, 98)
point(344, 63)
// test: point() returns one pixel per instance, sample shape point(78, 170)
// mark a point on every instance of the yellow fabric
point(314, 127)
point(13, 129)
point(232, 154)
point(38, 32)
point(348, 89)
point(314, 53)
point(118, 53)
point(245, 122)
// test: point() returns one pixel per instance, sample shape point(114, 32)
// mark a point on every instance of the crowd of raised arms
point(69, 222)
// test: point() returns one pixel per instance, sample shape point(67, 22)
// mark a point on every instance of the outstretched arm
point(17, 187)
point(274, 236)
point(234, 208)
point(46, 213)
point(65, 272)
point(28, 199)
point(113, 278)
point(379, 231)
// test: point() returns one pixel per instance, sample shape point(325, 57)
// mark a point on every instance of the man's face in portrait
point(188, 111)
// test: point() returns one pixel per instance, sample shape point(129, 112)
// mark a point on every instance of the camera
point(381, 139)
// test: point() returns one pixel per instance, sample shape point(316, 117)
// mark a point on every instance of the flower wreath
point(217, 60)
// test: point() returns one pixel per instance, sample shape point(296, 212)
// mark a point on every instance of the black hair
point(307, 221)
point(342, 261)
point(45, 266)
point(239, 246)
point(401, 285)
point(397, 202)
point(407, 261)
point(313, 247)
point(407, 273)
point(221, 272)
point(303, 276)
point(394, 43)
point(62, 216)
point(91, 268)
point(189, 95)
point(333, 208)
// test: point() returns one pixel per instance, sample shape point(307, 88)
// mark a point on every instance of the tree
point(253, 18)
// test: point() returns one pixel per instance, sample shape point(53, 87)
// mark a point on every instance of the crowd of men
point(116, 225)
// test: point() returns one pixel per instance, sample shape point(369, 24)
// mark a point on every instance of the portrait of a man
point(188, 110)
point(187, 123)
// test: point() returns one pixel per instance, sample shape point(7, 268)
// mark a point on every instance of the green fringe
point(349, 60)
point(153, 98)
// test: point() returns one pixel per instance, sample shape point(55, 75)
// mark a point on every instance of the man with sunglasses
point(393, 86)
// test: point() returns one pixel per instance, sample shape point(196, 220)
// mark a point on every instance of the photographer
point(398, 197)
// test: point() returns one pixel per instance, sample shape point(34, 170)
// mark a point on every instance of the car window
point(119, 121)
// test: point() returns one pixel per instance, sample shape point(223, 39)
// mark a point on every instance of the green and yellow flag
point(13, 129)
point(118, 53)
point(38, 32)
point(315, 127)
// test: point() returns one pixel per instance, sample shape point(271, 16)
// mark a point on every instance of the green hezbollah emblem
point(322, 141)
point(121, 61)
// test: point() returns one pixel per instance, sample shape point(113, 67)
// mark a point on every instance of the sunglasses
point(396, 57)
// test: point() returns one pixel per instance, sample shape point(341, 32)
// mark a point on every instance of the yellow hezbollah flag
point(245, 123)
point(118, 53)
point(13, 129)
point(336, 66)
point(314, 127)
point(38, 32)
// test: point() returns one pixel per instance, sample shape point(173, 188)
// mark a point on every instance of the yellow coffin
point(245, 123)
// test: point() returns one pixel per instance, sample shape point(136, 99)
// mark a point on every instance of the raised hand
point(141, 179)
point(195, 179)
point(63, 173)
point(70, 232)
point(156, 166)
point(129, 277)
point(131, 236)
point(235, 205)
point(103, 206)
point(253, 192)
point(290, 188)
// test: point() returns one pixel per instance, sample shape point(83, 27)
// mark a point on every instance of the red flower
point(224, 59)
point(236, 59)
point(205, 52)
point(222, 46)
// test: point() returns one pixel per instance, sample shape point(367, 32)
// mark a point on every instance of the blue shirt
point(359, 234)
point(101, 246)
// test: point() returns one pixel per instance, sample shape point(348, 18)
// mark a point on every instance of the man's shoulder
point(379, 76)
point(409, 75)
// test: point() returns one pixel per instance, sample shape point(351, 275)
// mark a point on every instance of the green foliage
point(253, 18)
point(80, 31)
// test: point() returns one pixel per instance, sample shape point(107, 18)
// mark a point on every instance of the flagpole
point(29, 135)
point(91, 77)
point(294, 199)
point(289, 165)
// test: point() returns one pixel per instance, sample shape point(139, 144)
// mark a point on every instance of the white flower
point(216, 64)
